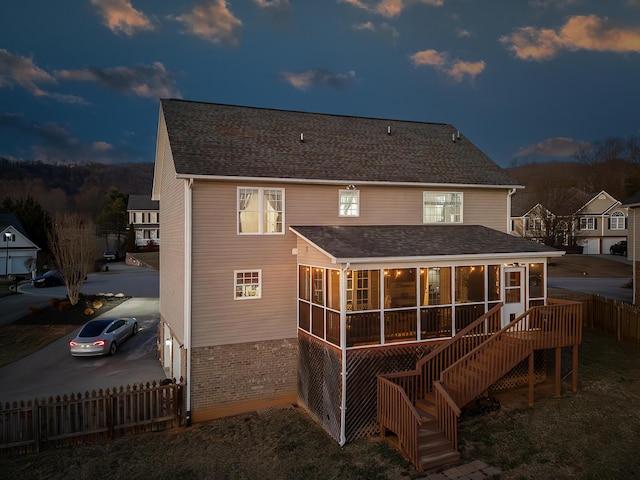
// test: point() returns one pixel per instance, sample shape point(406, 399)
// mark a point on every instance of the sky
point(526, 80)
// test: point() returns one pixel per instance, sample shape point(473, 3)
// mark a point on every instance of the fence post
point(618, 323)
point(109, 415)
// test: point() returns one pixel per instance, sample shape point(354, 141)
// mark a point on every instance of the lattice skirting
point(519, 375)
point(319, 383)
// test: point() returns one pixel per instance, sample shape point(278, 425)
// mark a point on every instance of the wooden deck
point(422, 406)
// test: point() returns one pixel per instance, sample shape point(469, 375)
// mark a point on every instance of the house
point(304, 255)
point(144, 216)
point(18, 252)
point(529, 219)
point(633, 243)
point(600, 223)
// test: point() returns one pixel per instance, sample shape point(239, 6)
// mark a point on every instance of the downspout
point(188, 199)
point(509, 195)
point(343, 352)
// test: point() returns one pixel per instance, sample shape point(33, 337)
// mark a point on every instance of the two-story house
point(600, 223)
point(304, 254)
point(144, 217)
point(17, 251)
point(529, 218)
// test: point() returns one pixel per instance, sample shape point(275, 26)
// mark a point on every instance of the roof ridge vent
point(388, 129)
point(302, 137)
point(453, 137)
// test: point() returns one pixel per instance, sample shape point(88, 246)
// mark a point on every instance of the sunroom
point(374, 299)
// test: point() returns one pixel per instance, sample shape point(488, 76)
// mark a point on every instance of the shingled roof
point(348, 243)
point(142, 202)
point(216, 140)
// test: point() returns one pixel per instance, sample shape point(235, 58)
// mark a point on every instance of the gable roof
point(142, 202)
point(407, 242)
point(522, 203)
point(226, 141)
point(633, 201)
point(602, 195)
point(8, 219)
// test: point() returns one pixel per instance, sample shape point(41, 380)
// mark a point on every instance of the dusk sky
point(524, 80)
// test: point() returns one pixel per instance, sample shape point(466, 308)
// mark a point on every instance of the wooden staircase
point(423, 406)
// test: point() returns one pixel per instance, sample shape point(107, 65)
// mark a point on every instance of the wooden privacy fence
point(26, 427)
point(607, 315)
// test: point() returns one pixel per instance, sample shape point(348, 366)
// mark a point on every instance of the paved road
point(53, 371)
point(607, 287)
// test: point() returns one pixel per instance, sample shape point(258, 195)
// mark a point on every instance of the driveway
point(53, 371)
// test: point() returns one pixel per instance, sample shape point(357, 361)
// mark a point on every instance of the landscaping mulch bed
point(43, 326)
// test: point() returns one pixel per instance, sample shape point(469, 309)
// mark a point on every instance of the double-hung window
point(349, 203)
point(442, 207)
point(260, 210)
point(248, 284)
point(617, 221)
point(587, 223)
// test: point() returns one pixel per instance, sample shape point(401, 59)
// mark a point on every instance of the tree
point(73, 245)
point(113, 218)
point(35, 219)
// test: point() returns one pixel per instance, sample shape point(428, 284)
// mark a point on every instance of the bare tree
point(73, 245)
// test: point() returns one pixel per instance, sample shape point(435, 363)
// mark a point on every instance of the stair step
point(425, 405)
point(428, 462)
point(433, 444)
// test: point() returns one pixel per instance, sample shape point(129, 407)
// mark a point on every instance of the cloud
point(552, 147)
point(590, 33)
point(213, 22)
point(315, 77)
point(389, 8)
point(278, 10)
point(557, 4)
point(384, 30)
point(120, 16)
point(16, 70)
point(440, 61)
point(53, 143)
point(462, 33)
point(151, 81)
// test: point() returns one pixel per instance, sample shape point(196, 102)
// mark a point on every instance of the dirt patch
point(43, 326)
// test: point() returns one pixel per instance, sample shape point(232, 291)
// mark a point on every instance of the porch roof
point(410, 242)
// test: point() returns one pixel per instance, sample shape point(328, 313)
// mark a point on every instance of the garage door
point(591, 246)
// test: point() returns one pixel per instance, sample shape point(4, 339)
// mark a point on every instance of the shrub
point(96, 304)
point(64, 306)
point(54, 302)
point(88, 311)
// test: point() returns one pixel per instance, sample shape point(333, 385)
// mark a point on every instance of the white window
point(248, 284)
point(260, 210)
point(617, 221)
point(534, 224)
point(587, 223)
point(442, 207)
point(349, 203)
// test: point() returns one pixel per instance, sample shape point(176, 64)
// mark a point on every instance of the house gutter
point(188, 204)
point(509, 195)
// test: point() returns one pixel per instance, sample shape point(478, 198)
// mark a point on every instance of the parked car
point(619, 248)
point(110, 255)
point(52, 278)
point(102, 336)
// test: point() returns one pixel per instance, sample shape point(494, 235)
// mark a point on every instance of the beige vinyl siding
point(172, 252)
point(219, 319)
point(309, 255)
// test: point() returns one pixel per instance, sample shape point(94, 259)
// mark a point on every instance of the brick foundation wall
point(231, 379)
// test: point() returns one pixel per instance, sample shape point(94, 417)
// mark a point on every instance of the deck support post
point(574, 375)
point(532, 379)
point(558, 371)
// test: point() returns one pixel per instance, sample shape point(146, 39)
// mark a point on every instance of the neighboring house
point(600, 223)
point(303, 254)
point(144, 215)
point(528, 217)
point(18, 252)
point(633, 241)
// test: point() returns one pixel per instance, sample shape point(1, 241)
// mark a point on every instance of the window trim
point(341, 212)
point(236, 284)
point(424, 207)
point(261, 212)
point(587, 221)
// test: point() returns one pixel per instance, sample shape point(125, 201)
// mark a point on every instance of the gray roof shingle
point(404, 241)
point(232, 141)
point(142, 202)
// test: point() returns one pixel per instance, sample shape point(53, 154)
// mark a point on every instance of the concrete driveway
point(53, 371)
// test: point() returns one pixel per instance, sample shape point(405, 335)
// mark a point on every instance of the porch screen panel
point(304, 315)
point(467, 314)
point(363, 290)
point(470, 284)
point(435, 286)
point(536, 280)
point(304, 282)
point(363, 329)
point(317, 321)
point(333, 327)
point(435, 322)
point(494, 283)
point(400, 325)
point(333, 289)
point(318, 285)
point(400, 288)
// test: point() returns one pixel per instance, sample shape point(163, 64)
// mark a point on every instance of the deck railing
point(451, 374)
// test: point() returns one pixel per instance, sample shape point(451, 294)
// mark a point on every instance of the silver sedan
point(102, 336)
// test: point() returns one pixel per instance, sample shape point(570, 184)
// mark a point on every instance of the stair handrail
point(399, 415)
point(447, 414)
